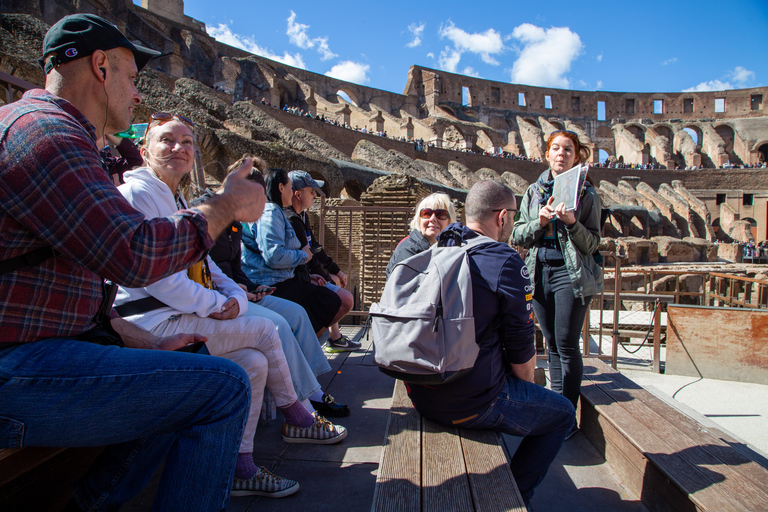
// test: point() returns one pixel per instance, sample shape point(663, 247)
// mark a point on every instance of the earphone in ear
point(103, 72)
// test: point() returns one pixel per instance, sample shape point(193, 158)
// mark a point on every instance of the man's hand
point(239, 199)
point(229, 310)
point(177, 341)
point(307, 250)
point(340, 279)
point(524, 371)
point(134, 336)
point(317, 279)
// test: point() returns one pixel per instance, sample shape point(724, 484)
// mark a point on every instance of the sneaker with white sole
point(264, 483)
point(342, 344)
point(321, 431)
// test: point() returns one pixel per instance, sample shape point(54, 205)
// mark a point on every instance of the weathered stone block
point(672, 250)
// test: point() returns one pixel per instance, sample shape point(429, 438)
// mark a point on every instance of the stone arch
point(286, 97)
point(531, 122)
point(637, 130)
point(762, 151)
point(728, 134)
point(752, 226)
point(557, 124)
point(352, 189)
point(697, 130)
point(353, 99)
point(453, 138)
point(484, 142)
point(604, 139)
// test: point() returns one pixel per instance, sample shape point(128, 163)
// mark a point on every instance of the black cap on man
point(79, 35)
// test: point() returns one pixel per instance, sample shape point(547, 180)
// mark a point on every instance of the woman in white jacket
point(214, 308)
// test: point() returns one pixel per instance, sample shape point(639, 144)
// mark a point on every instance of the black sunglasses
point(508, 209)
point(426, 213)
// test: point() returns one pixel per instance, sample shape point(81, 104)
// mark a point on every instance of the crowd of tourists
point(230, 296)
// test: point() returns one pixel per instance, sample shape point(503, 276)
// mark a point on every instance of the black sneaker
point(342, 344)
point(329, 408)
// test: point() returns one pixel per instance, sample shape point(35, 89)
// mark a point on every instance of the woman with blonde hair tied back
point(433, 214)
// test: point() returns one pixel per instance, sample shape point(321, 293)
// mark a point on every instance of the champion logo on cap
point(71, 52)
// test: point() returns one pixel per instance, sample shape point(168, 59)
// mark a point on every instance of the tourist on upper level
point(433, 214)
point(561, 246)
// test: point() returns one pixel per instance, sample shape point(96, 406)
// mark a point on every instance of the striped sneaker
point(321, 431)
point(342, 344)
point(264, 483)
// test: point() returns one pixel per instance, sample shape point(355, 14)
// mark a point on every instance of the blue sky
point(638, 46)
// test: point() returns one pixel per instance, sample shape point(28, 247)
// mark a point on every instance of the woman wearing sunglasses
point(433, 215)
point(206, 301)
point(560, 261)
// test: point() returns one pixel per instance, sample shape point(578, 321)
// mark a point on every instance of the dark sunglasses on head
point(565, 131)
point(426, 213)
point(164, 117)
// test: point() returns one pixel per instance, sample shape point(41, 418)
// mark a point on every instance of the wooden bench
point(38, 479)
point(670, 460)
point(428, 467)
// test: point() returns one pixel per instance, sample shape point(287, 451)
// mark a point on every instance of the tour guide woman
point(563, 271)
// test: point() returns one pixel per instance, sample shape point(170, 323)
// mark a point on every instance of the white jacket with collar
point(153, 198)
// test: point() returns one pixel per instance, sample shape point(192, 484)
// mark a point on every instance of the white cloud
point(417, 31)
point(599, 84)
point(350, 71)
point(297, 34)
point(224, 34)
point(431, 55)
point(470, 71)
point(712, 85)
point(742, 75)
point(485, 44)
point(599, 58)
point(739, 74)
point(669, 61)
point(449, 59)
point(546, 55)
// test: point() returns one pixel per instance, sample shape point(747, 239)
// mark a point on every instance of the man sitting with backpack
point(498, 392)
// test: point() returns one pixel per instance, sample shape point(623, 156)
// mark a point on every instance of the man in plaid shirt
point(64, 228)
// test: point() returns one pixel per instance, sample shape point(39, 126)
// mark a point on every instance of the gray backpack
point(423, 326)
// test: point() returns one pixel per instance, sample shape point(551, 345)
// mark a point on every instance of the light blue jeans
point(300, 344)
point(145, 405)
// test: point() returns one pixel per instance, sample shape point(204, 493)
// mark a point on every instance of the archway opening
point(763, 153)
point(602, 156)
point(693, 134)
point(346, 97)
point(352, 190)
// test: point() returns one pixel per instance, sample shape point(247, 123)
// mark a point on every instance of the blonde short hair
point(436, 201)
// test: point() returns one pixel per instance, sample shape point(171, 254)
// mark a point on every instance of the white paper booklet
point(568, 185)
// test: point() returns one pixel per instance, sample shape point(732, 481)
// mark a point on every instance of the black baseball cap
point(79, 35)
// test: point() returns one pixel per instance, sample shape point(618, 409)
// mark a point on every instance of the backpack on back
point(423, 326)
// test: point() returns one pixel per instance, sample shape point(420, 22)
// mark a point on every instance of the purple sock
point(245, 467)
point(297, 415)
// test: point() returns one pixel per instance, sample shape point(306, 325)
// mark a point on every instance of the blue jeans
point(285, 313)
point(561, 316)
point(542, 417)
point(143, 404)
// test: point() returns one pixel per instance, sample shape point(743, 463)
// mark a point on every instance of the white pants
point(251, 342)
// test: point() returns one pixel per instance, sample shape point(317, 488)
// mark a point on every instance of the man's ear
point(99, 62)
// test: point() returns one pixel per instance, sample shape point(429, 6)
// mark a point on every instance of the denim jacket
point(271, 250)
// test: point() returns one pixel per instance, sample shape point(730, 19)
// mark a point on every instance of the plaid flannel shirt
point(54, 192)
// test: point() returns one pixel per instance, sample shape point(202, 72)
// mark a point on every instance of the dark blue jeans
point(561, 316)
point(145, 405)
point(541, 417)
